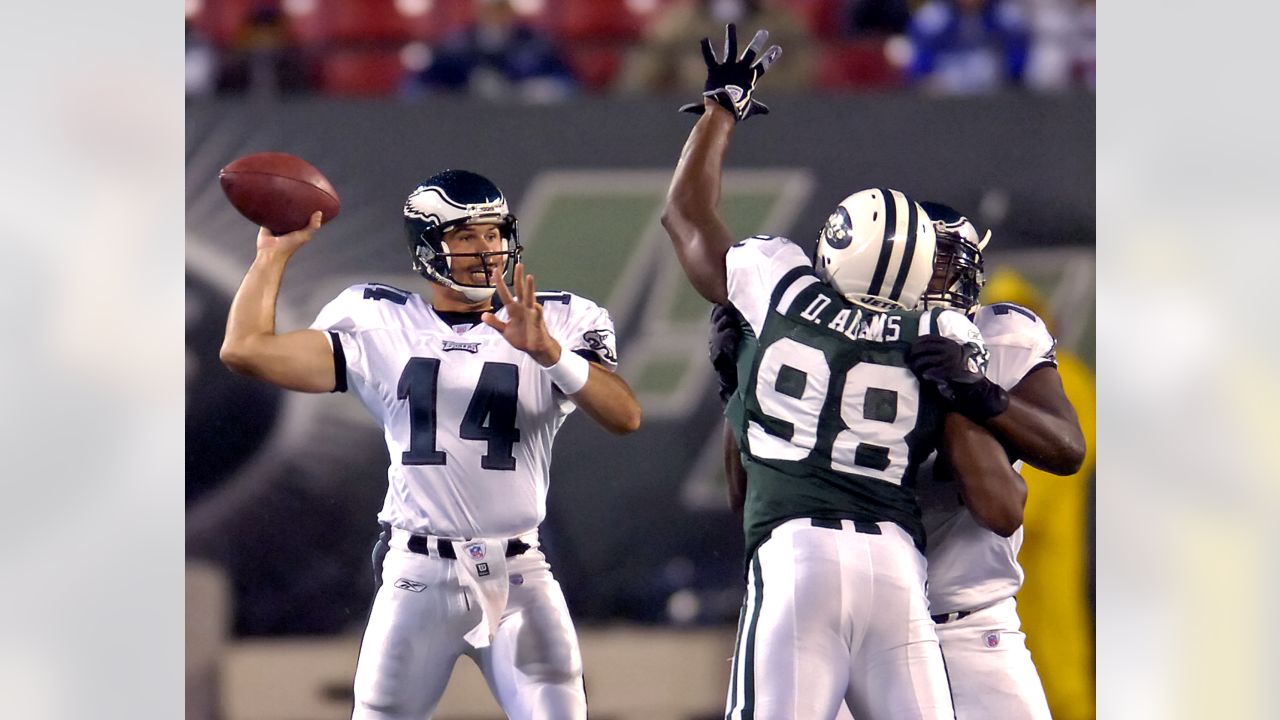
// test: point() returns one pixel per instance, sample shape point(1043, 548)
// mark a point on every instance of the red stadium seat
point(357, 72)
point(824, 17)
point(857, 64)
point(374, 21)
point(593, 65)
point(220, 20)
point(595, 20)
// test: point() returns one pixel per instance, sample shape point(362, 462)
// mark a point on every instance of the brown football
point(278, 191)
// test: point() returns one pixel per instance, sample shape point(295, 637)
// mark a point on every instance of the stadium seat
point(377, 21)
point(857, 64)
point(595, 20)
point(594, 65)
point(361, 72)
point(825, 18)
point(220, 20)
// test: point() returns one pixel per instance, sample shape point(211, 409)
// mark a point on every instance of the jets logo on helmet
point(877, 249)
point(958, 270)
point(449, 200)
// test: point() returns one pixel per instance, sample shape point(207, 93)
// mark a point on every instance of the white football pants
point(836, 616)
point(415, 635)
point(992, 675)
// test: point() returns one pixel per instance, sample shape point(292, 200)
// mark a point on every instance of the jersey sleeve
point(582, 327)
point(1018, 342)
point(341, 320)
point(753, 268)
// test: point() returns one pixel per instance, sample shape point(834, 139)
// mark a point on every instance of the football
point(278, 191)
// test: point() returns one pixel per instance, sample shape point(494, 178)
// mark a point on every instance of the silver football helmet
point(877, 249)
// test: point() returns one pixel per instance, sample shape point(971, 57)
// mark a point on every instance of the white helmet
point(877, 249)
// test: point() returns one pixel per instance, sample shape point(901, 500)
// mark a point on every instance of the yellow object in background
point(1054, 600)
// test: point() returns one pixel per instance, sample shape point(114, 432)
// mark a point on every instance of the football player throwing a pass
point(470, 388)
point(974, 573)
point(833, 426)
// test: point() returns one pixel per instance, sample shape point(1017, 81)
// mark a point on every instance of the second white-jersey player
point(470, 388)
point(974, 573)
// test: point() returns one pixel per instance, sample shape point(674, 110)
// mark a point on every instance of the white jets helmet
point(877, 249)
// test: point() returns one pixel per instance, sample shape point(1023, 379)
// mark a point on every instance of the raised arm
point(1040, 424)
point(700, 237)
point(993, 492)
point(300, 360)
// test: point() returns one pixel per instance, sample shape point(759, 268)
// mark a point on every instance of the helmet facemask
point(957, 269)
point(433, 259)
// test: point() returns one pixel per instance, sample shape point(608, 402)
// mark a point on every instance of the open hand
point(524, 328)
point(731, 81)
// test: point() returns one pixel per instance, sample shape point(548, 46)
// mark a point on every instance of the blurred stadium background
point(569, 106)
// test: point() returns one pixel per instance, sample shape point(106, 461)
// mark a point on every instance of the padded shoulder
point(368, 305)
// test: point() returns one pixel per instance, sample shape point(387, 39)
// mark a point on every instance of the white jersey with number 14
point(468, 419)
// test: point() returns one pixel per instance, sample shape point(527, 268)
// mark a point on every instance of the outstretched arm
point(300, 360)
point(993, 492)
point(700, 237)
point(1041, 424)
point(697, 232)
point(603, 395)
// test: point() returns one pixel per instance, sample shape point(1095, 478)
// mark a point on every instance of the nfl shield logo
point(476, 551)
point(992, 639)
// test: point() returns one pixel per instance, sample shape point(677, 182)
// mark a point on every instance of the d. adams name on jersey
point(830, 421)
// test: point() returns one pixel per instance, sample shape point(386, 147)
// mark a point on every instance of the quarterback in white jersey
point(470, 388)
point(974, 573)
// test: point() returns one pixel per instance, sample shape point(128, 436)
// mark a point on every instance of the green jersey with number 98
point(830, 422)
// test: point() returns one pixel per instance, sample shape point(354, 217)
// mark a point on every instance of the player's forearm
point(1041, 438)
point(697, 233)
point(609, 401)
point(993, 492)
point(253, 309)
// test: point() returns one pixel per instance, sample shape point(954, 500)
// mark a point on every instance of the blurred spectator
point(968, 46)
point(264, 60)
point(496, 57)
point(202, 63)
point(877, 17)
point(667, 59)
point(1063, 45)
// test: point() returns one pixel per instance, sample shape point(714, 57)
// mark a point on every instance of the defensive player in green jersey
point(832, 426)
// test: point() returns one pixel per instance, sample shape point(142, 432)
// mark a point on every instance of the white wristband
point(570, 372)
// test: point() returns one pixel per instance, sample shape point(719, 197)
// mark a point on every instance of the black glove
point(957, 371)
point(726, 336)
point(732, 82)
